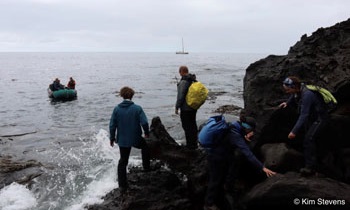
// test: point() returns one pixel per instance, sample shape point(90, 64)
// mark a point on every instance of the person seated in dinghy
point(71, 83)
point(56, 85)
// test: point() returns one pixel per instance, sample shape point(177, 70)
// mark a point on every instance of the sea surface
point(71, 138)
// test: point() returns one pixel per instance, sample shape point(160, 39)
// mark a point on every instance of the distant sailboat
point(183, 49)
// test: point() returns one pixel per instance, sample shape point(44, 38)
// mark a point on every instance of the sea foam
point(16, 197)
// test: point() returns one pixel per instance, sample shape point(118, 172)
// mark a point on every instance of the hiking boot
point(307, 171)
point(212, 207)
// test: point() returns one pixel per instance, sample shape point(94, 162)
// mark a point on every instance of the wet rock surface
point(292, 191)
point(22, 172)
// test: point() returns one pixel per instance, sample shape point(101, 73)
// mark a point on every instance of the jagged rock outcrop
point(322, 59)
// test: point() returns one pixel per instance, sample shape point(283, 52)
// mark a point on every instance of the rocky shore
point(178, 179)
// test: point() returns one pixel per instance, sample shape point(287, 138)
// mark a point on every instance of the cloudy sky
point(248, 26)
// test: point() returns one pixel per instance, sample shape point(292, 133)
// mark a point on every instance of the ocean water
point(71, 138)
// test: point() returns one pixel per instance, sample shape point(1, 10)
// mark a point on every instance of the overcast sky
point(247, 26)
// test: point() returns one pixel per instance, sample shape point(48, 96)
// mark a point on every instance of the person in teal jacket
point(128, 119)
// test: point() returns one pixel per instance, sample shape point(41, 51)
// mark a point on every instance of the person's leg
point(309, 144)
point(231, 173)
point(216, 174)
point(189, 124)
point(123, 163)
point(185, 124)
point(193, 142)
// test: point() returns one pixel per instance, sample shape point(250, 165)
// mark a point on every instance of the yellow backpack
point(196, 95)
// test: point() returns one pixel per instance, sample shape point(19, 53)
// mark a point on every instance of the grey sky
point(253, 26)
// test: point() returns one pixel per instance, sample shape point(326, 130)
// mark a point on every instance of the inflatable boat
point(62, 94)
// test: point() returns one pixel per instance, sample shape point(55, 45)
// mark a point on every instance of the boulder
point(291, 191)
point(281, 157)
point(22, 172)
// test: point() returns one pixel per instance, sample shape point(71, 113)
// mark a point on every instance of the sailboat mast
point(183, 49)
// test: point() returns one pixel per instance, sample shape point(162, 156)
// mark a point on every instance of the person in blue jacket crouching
point(221, 159)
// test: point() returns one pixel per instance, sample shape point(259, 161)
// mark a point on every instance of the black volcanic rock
point(291, 191)
point(322, 59)
point(22, 172)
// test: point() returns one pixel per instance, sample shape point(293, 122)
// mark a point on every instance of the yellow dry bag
point(196, 95)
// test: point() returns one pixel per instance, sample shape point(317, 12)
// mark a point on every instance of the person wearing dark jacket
point(56, 85)
point(221, 160)
point(128, 119)
point(187, 114)
point(313, 117)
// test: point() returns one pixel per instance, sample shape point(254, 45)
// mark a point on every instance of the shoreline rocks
point(322, 59)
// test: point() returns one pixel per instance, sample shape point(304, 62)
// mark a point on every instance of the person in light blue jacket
point(127, 120)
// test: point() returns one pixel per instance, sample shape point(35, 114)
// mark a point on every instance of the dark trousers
point(309, 144)
point(220, 173)
point(189, 124)
point(124, 160)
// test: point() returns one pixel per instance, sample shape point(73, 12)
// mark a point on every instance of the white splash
point(16, 197)
point(81, 177)
point(102, 183)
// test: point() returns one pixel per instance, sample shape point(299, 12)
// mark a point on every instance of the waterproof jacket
point(127, 119)
point(182, 89)
point(235, 140)
point(311, 108)
point(71, 84)
point(56, 86)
